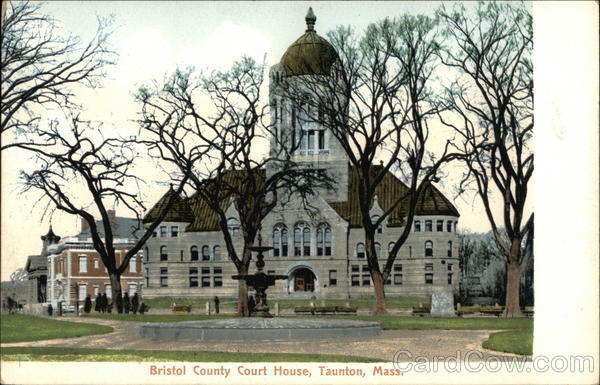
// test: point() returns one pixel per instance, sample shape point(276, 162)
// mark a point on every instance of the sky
point(152, 38)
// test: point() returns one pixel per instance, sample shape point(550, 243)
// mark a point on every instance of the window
point(270, 272)
point(332, 277)
point(429, 278)
point(301, 239)
point(132, 289)
point(366, 276)
point(133, 264)
point(297, 242)
point(163, 253)
point(449, 249)
point(439, 226)
point(429, 249)
point(233, 225)
point(280, 241)
point(181, 255)
point(390, 247)
point(449, 226)
point(306, 240)
point(429, 267)
point(409, 251)
point(163, 231)
point(154, 234)
point(417, 226)
point(194, 253)
point(174, 231)
point(96, 290)
point(377, 249)
point(108, 291)
point(205, 277)
point(449, 278)
point(205, 253)
point(147, 251)
point(374, 220)
point(355, 277)
point(217, 253)
point(311, 134)
point(82, 292)
point(450, 267)
point(193, 277)
point(428, 226)
point(96, 264)
point(455, 225)
point(82, 264)
point(147, 278)
point(164, 277)
point(397, 274)
point(217, 277)
point(324, 240)
point(360, 250)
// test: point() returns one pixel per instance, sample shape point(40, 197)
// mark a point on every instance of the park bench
point(528, 311)
point(181, 309)
point(325, 310)
point(492, 310)
point(421, 310)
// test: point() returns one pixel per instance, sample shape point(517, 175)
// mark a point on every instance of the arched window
point(284, 242)
point(390, 247)
point(449, 249)
point(324, 239)
point(297, 241)
point(374, 220)
point(233, 225)
point(163, 253)
point(194, 253)
point(377, 249)
point(417, 226)
point(312, 132)
point(217, 252)
point(306, 240)
point(360, 250)
point(205, 253)
point(276, 242)
point(429, 249)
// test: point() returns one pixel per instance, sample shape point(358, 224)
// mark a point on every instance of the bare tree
point(491, 102)
point(223, 113)
point(40, 66)
point(78, 171)
point(19, 275)
point(377, 101)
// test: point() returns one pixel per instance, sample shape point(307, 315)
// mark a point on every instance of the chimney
point(84, 226)
point(112, 219)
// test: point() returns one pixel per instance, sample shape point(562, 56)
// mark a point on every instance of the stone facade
point(321, 254)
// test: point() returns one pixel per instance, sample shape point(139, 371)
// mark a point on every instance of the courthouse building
point(323, 256)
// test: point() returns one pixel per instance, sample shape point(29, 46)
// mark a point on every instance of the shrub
point(87, 304)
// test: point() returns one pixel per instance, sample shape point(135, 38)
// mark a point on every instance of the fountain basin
point(259, 329)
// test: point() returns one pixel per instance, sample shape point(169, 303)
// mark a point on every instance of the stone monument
point(442, 304)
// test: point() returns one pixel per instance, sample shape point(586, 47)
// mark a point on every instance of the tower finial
point(311, 19)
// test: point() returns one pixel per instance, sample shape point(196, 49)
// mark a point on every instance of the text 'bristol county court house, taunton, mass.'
point(322, 255)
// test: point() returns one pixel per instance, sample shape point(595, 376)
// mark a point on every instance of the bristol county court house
point(323, 256)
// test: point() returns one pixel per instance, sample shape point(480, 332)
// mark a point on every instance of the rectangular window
point(96, 264)
point(449, 278)
point(82, 264)
point(96, 290)
point(429, 278)
point(164, 277)
point(193, 277)
point(397, 279)
point(321, 139)
point(132, 289)
point(82, 292)
point(147, 277)
point(429, 267)
point(332, 277)
point(449, 267)
point(174, 231)
point(133, 264)
point(355, 268)
point(108, 291)
point(449, 226)
point(439, 226)
point(163, 253)
point(428, 225)
point(355, 280)
point(417, 226)
point(366, 276)
point(163, 231)
point(218, 277)
point(205, 279)
point(154, 234)
point(270, 272)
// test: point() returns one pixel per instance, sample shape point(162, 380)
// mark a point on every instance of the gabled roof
point(180, 210)
point(201, 217)
point(430, 202)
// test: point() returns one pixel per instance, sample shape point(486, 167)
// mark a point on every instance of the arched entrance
point(304, 280)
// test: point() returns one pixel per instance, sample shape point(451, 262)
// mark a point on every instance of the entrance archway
point(304, 280)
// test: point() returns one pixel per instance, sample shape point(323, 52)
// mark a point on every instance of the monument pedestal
point(442, 304)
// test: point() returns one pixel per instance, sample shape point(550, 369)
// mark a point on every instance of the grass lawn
point(103, 355)
point(230, 303)
point(18, 328)
point(157, 317)
point(512, 341)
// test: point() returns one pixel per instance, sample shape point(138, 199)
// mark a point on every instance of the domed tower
point(296, 117)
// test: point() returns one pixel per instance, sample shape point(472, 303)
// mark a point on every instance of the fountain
point(261, 327)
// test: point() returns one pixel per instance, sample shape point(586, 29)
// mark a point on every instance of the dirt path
point(411, 343)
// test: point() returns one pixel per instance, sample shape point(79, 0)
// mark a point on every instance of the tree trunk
point(379, 308)
point(115, 288)
point(242, 306)
point(512, 306)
